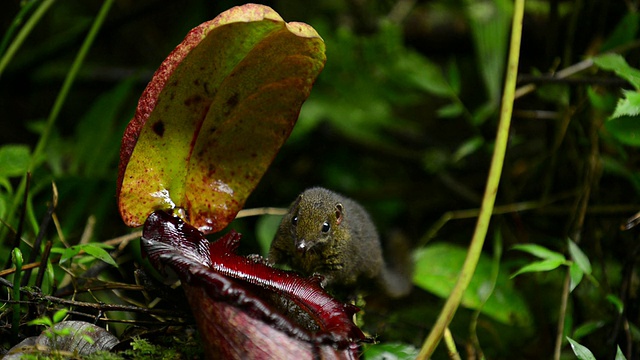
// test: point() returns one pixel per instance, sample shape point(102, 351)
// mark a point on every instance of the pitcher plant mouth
point(215, 276)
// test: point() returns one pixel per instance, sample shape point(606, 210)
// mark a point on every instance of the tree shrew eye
point(325, 227)
point(294, 220)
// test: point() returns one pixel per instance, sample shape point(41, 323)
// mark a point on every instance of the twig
point(261, 211)
point(123, 240)
point(81, 304)
point(43, 263)
point(44, 225)
point(564, 73)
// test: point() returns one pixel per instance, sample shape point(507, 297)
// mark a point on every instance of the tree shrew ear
point(339, 210)
point(297, 202)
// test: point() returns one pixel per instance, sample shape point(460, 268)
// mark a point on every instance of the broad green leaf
point(388, 351)
point(579, 257)
point(214, 116)
point(581, 351)
point(625, 129)
point(628, 105)
point(14, 160)
point(617, 64)
point(576, 274)
point(539, 251)
point(540, 266)
point(490, 25)
point(437, 268)
point(94, 150)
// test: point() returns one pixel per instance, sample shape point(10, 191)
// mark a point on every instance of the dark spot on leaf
point(193, 100)
point(158, 128)
point(231, 103)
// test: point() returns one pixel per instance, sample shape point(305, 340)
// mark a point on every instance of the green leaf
point(94, 249)
point(587, 328)
point(613, 299)
point(425, 74)
point(576, 274)
point(579, 257)
point(624, 32)
point(555, 94)
point(437, 268)
point(601, 100)
point(451, 110)
point(617, 64)
point(581, 351)
point(98, 252)
point(59, 315)
point(45, 321)
point(467, 148)
point(540, 266)
point(96, 151)
point(490, 25)
point(67, 253)
point(215, 114)
point(628, 105)
point(266, 228)
point(625, 129)
point(539, 251)
point(454, 78)
point(619, 354)
point(14, 160)
point(388, 351)
point(3, 205)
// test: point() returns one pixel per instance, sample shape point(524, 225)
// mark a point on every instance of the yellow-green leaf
point(214, 116)
point(437, 268)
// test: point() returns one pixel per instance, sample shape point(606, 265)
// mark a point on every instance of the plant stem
point(16, 258)
point(491, 189)
point(451, 345)
point(17, 21)
point(68, 81)
point(24, 32)
point(62, 94)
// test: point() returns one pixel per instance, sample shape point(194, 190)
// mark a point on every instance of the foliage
point(495, 298)
point(402, 118)
point(242, 75)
